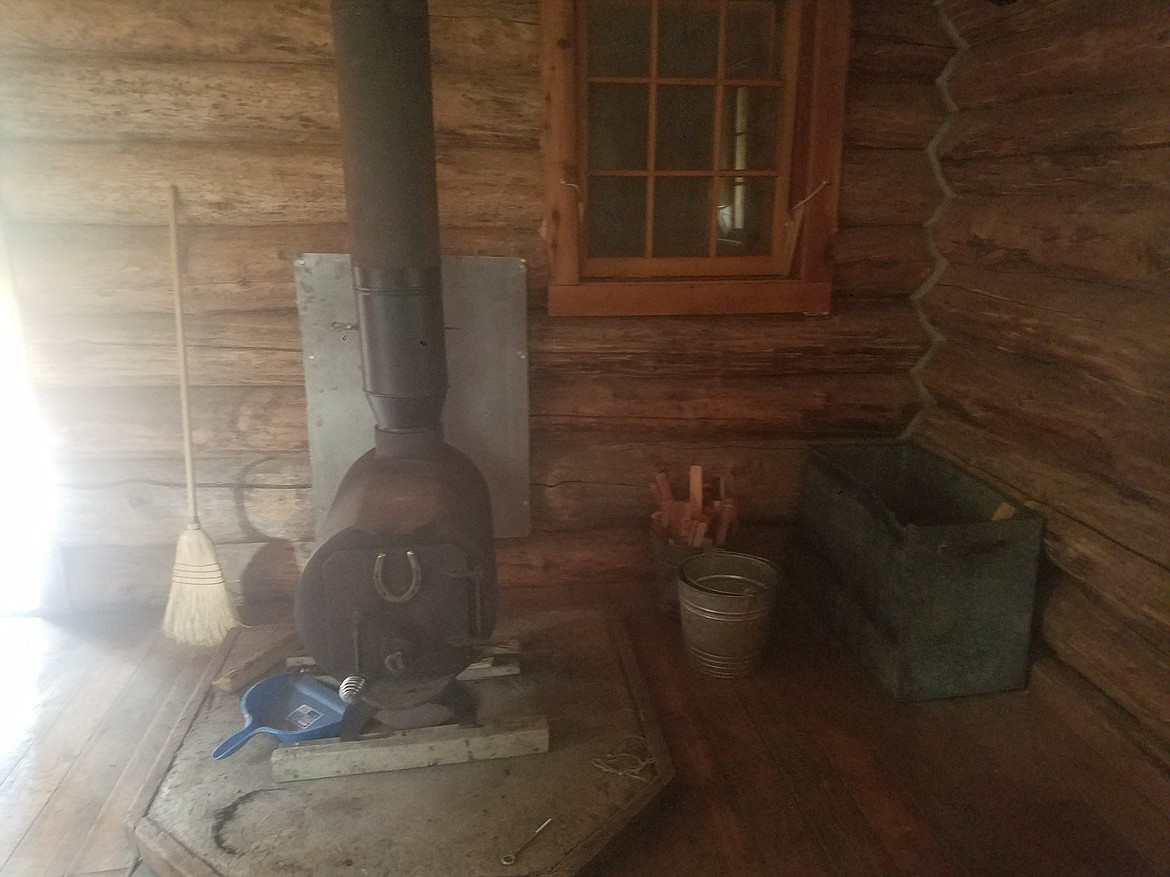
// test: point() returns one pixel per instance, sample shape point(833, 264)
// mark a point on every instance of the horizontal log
point(978, 20)
point(887, 187)
point(269, 330)
point(235, 348)
point(702, 409)
point(1098, 645)
point(49, 98)
point(881, 56)
point(1119, 435)
point(892, 114)
point(1103, 536)
point(1081, 48)
point(475, 34)
point(144, 422)
point(111, 184)
point(582, 484)
point(94, 269)
point(857, 337)
point(1118, 336)
point(260, 470)
point(113, 269)
point(1111, 239)
point(907, 21)
point(1079, 123)
point(880, 261)
point(1118, 308)
point(1064, 174)
point(116, 576)
point(87, 364)
point(136, 502)
point(589, 557)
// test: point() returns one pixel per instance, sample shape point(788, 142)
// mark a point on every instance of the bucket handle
point(748, 597)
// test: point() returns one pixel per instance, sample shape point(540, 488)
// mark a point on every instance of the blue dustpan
point(292, 707)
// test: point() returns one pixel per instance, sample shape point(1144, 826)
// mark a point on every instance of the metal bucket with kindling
point(725, 603)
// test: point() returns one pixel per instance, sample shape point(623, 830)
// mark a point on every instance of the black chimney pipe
point(388, 148)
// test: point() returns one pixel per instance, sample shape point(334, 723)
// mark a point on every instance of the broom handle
point(184, 400)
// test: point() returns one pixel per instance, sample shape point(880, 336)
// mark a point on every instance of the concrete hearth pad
point(230, 818)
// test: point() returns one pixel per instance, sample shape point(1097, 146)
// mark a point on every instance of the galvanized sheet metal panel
point(486, 415)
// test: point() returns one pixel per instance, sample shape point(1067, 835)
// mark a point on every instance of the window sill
point(659, 298)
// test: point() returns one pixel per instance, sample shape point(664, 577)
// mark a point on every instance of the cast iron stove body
point(403, 583)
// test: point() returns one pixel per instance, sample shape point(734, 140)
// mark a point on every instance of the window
point(693, 154)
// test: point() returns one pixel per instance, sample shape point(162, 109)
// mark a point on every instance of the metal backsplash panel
point(486, 416)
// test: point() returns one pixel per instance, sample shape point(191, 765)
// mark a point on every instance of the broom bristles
point(199, 609)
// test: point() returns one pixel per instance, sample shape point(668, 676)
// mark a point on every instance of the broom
point(199, 610)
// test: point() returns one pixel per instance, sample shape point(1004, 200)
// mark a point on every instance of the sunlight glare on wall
point(27, 497)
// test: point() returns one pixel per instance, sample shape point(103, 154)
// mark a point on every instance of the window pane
point(750, 32)
point(682, 216)
point(688, 38)
point(745, 216)
point(750, 122)
point(686, 124)
point(618, 123)
point(619, 38)
point(615, 216)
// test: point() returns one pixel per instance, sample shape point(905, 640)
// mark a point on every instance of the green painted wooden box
point(932, 595)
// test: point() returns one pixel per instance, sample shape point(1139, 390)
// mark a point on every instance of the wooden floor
point(804, 769)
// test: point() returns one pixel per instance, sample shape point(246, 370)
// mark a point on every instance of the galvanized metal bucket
point(725, 602)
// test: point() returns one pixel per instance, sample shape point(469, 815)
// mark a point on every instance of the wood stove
point(402, 585)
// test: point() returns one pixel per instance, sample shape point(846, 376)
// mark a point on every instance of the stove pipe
point(403, 582)
point(388, 148)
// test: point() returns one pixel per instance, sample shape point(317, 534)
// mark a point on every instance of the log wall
point(1055, 307)
point(103, 104)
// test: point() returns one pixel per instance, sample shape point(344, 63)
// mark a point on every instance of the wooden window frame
point(615, 287)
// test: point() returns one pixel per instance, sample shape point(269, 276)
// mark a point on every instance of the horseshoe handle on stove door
point(415, 579)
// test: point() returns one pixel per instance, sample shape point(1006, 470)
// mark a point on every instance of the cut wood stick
point(699, 534)
point(1003, 512)
point(664, 487)
point(722, 523)
point(254, 667)
point(696, 494)
point(490, 668)
point(684, 523)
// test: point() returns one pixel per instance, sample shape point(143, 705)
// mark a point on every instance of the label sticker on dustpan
point(303, 716)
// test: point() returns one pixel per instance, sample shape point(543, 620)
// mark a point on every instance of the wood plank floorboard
point(105, 847)
point(36, 776)
point(805, 769)
point(46, 665)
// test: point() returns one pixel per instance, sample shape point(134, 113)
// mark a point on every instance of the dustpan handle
point(184, 398)
point(235, 741)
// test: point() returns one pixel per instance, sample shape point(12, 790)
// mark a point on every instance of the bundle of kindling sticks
point(693, 521)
